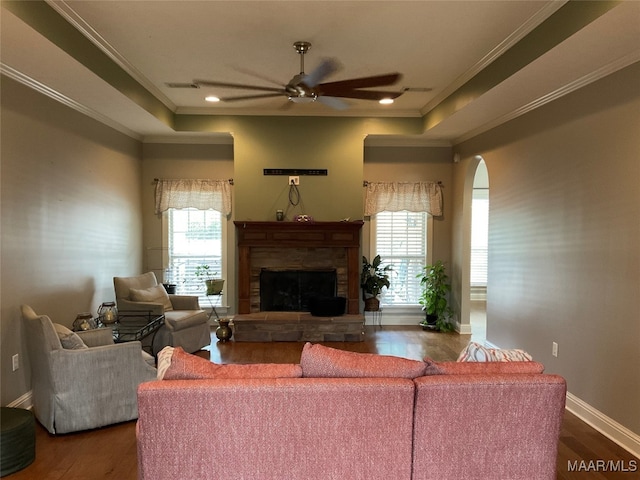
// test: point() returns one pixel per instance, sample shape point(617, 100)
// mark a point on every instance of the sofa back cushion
point(279, 428)
point(185, 366)
point(320, 361)
point(493, 426)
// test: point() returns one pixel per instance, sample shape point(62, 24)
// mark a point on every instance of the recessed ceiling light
point(386, 101)
point(212, 98)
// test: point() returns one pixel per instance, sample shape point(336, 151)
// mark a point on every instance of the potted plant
point(214, 285)
point(372, 279)
point(434, 297)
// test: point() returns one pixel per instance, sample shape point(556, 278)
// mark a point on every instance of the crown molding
point(191, 138)
point(570, 87)
point(527, 27)
point(39, 87)
point(71, 16)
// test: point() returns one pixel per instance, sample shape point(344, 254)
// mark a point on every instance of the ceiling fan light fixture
point(385, 101)
point(212, 98)
point(302, 98)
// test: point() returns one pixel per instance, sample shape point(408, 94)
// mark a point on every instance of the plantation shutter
point(400, 240)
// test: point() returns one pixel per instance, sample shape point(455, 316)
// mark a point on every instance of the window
point(479, 237)
point(194, 237)
point(400, 238)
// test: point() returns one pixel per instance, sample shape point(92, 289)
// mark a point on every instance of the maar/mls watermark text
point(602, 466)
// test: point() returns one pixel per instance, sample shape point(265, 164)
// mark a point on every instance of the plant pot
point(214, 286)
point(371, 304)
point(430, 323)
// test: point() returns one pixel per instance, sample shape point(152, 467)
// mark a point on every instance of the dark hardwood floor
point(110, 452)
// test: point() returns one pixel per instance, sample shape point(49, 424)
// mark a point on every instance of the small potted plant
point(214, 285)
point(434, 298)
point(372, 279)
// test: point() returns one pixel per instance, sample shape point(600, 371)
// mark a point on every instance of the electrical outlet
point(554, 349)
point(294, 180)
point(15, 362)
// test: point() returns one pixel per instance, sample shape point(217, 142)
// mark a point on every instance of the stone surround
point(297, 327)
point(298, 246)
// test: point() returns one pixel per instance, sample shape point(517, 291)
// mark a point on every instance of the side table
point(214, 303)
point(134, 326)
point(376, 317)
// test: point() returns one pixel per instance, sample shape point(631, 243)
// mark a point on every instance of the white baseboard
point(611, 429)
point(25, 401)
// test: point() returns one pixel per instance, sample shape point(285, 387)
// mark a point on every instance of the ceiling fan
point(306, 88)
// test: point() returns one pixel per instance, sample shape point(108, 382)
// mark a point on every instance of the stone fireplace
point(298, 246)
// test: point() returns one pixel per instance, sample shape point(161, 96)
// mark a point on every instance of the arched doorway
point(479, 251)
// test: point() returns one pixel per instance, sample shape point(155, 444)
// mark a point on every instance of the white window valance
point(201, 194)
point(397, 196)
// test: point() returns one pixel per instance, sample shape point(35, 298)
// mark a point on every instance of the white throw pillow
point(164, 361)
point(474, 352)
point(156, 294)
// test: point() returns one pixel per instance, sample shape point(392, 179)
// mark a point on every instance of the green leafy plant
point(205, 272)
point(373, 276)
point(213, 285)
point(434, 297)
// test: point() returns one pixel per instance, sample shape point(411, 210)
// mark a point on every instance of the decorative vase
point(223, 332)
point(214, 286)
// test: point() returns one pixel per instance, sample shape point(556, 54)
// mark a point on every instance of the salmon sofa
point(342, 415)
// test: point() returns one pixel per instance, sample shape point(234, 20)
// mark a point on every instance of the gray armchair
point(84, 388)
point(186, 325)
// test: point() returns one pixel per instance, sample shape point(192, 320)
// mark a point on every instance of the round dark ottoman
point(17, 439)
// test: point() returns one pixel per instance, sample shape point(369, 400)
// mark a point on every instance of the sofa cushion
point(69, 340)
point(321, 361)
point(155, 294)
point(184, 366)
point(478, 368)
point(474, 352)
point(179, 319)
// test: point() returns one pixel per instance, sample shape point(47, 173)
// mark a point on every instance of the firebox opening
point(290, 290)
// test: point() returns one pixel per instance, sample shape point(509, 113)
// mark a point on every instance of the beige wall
point(564, 239)
point(416, 164)
point(161, 160)
point(70, 217)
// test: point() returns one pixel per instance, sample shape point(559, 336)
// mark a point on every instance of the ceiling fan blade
point(333, 102)
point(364, 82)
point(252, 97)
point(252, 73)
point(210, 83)
point(362, 94)
point(326, 68)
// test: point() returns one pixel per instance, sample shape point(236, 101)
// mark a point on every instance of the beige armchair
point(186, 325)
point(90, 383)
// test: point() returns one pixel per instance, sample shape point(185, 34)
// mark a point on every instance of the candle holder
point(107, 313)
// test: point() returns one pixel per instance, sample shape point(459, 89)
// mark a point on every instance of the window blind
point(400, 240)
point(194, 238)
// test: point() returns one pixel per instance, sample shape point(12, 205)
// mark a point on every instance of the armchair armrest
point(155, 308)
point(101, 372)
point(96, 337)
point(184, 302)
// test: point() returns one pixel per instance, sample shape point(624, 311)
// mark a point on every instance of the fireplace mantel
point(282, 235)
